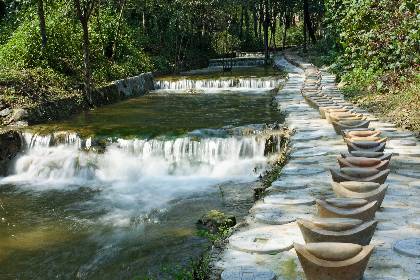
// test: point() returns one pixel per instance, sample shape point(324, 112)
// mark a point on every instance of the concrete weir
point(264, 245)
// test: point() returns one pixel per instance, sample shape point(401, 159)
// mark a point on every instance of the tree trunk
point(241, 22)
point(255, 18)
point(266, 26)
point(41, 17)
point(285, 22)
point(307, 21)
point(246, 23)
point(117, 30)
point(84, 14)
point(304, 36)
point(86, 62)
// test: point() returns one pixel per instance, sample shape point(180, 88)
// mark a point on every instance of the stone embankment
point(263, 246)
point(59, 108)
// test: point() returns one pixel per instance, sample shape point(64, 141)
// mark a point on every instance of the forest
point(66, 45)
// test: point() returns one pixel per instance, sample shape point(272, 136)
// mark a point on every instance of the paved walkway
point(266, 240)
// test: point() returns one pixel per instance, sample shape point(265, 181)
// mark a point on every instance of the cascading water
point(207, 84)
point(121, 193)
point(150, 172)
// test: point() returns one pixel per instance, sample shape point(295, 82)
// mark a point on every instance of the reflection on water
point(71, 211)
point(171, 113)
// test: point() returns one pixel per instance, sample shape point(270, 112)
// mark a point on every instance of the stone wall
point(61, 108)
point(123, 89)
point(10, 146)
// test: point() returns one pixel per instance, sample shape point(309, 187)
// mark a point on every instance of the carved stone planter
point(359, 174)
point(378, 155)
point(333, 261)
point(343, 125)
point(363, 162)
point(363, 133)
point(342, 230)
point(348, 191)
point(365, 146)
point(364, 210)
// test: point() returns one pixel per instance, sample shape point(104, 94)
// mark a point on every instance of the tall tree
point(84, 9)
point(41, 17)
point(307, 21)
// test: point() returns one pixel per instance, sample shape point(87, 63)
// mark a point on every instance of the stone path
point(266, 241)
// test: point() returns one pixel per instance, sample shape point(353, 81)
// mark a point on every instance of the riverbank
point(35, 96)
point(266, 240)
point(393, 96)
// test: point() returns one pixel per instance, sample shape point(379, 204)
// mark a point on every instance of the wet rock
point(214, 220)
point(19, 115)
point(5, 112)
point(10, 145)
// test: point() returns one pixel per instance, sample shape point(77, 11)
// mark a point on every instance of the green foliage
point(375, 34)
point(225, 43)
point(195, 270)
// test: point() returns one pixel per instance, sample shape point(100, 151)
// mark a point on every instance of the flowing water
point(115, 193)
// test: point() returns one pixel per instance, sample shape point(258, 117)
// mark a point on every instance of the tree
point(84, 9)
point(41, 17)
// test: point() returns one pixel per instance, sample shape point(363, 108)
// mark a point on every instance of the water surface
point(128, 210)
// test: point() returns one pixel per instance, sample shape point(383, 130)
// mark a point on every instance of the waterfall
point(241, 83)
point(71, 160)
point(238, 62)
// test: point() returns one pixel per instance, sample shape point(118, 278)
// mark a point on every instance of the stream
point(115, 192)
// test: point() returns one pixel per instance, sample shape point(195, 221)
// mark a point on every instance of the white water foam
point(240, 83)
point(133, 174)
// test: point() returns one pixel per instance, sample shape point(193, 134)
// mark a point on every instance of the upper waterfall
point(224, 83)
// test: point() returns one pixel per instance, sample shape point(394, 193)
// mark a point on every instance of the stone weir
point(268, 244)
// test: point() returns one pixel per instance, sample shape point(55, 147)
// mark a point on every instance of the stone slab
point(247, 273)
point(264, 240)
point(302, 171)
point(273, 218)
point(308, 153)
point(409, 173)
point(408, 247)
point(415, 184)
point(287, 185)
point(402, 143)
point(286, 200)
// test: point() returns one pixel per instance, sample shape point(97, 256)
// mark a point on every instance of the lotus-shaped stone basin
point(359, 174)
point(354, 208)
point(333, 261)
point(339, 126)
point(377, 155)
point(345, 230)
point(363, 162)
point(365, 191)
point(365, 146)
